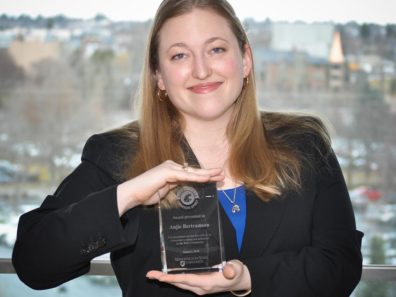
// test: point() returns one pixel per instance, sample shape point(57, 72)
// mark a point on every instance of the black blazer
point(303, 244)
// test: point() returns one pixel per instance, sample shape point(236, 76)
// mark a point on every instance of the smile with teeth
point(205, 87)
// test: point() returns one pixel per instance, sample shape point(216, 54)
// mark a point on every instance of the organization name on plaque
point(190, 232)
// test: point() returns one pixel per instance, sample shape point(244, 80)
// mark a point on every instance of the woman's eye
point(178, 56)
point(218, 50)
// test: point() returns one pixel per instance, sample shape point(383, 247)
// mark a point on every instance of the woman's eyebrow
point(210, 40)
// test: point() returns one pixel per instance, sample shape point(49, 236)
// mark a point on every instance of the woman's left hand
point(234, 277)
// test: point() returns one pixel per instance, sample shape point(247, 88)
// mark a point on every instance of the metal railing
point(103, 267)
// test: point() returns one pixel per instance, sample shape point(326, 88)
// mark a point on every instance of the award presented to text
point(190, 232)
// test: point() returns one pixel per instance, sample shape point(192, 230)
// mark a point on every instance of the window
point(62, 79)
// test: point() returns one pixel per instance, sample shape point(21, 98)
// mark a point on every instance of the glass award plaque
point(190, 232)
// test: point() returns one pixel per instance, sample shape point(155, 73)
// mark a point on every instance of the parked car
point(10, 172)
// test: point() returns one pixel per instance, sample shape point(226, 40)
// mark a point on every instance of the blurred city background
point(63, 79)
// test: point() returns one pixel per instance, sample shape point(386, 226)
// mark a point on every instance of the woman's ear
point(247, 60)
point(160, 81)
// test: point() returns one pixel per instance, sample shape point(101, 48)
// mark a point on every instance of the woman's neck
point(204, 132)
point(207, 136)
point(208, 141)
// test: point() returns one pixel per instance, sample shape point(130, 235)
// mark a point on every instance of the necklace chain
point(228, 197)
point(235, 207)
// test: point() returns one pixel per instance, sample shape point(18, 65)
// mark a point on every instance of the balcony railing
point(103, 267)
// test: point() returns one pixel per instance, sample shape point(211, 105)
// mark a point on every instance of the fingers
point(229, 271)
point(169, 278)
point(190, 174)
point(188, 279)
point(182, 281)
point(200, 284)
point(201, 171)
point(208, 283)
point(195, 177)
point(154, 274)
point(197, 289)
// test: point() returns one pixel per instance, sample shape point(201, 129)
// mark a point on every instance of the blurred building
point(27, 53)
point(302, 58)
point(291, 71)
point(336, 63)
point(313, 39)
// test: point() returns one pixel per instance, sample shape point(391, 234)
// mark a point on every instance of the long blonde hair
point(264, 168)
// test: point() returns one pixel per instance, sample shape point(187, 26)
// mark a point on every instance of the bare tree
point(52, 118)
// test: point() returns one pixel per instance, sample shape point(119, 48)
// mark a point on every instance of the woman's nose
point(201, 68)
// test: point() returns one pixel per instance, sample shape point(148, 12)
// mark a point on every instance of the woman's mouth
point(205, 88)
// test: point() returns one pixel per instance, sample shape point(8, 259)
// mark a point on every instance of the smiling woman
point(289, 228)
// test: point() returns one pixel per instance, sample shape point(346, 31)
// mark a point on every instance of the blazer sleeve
point(331, 264)
point(56, 242)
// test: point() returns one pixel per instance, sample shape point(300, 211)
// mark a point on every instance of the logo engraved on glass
point(187, 197)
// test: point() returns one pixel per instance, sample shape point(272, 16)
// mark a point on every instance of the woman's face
point(201, 66)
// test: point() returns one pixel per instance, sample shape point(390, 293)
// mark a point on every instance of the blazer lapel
point(189, 155)
point(262, 221)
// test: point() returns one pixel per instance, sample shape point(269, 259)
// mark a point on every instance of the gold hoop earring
point(245, 82)
point(162, 95)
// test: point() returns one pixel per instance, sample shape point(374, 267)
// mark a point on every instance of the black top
point(303, 244)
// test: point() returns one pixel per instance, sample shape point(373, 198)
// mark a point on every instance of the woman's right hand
point(145, 188)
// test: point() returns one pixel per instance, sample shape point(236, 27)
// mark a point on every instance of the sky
point(375, 11)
